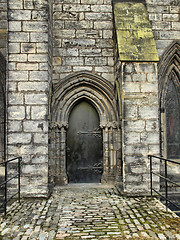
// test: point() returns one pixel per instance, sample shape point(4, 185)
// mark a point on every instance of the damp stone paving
point(89, 211)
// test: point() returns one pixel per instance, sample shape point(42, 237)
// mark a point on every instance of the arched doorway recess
point(96, 91)
point(169, 98)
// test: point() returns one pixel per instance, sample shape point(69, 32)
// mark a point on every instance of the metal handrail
point(6, 180)
point(164, 178)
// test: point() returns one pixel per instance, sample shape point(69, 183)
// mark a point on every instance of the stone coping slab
point(134, 33)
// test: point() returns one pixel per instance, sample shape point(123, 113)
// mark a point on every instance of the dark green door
point(84, 145)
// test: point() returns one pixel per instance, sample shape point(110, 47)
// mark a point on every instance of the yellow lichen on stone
point(134, 34)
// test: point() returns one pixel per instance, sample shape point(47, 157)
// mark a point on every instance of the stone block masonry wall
point(3, 26)
point(165, 19)
point(28, 85)
point(140, 131)
point(83, 38)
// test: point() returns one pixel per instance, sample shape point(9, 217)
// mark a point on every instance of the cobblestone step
point(89, 211)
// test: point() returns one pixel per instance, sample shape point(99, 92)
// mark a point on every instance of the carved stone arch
point(100, 94)
point(168, 65)
point(169, 73)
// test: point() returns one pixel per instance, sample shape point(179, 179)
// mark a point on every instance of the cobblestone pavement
point(86, 211)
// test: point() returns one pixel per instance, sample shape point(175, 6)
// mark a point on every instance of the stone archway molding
point(100, 93)
point(89, 86)
point(169, 65)
point(168, 70)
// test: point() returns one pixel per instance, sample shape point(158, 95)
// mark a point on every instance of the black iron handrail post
point(5, 189)
point(150, 157)
point(166, 183)
point(165, 178)
point(19, 174)
point(6, 180)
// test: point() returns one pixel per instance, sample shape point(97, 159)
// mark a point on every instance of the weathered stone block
point(130, 178)
point(39, 112)
point(27, 66)
point(32, 26)
point(171, 17)
point(20, 15)
point(38, 76)
point(97, 16)
point(78, 42)
point(12, 66)
point(39, 37)
point(42, 47)
point(147, 68)
point(169, 35)
point(149, 87)
point(88, 33)
point(37, 57)
point(16, 112)
point(36, 99)
point(35, 169)
point(109, 77)
point(150, 138)
point(15, 98)
point(33, 150)
point(14, 26)
point(14, 126)
point(40, 159)
point(131, 87)
point(18, 37)
point(65, 33)
point(14, 47)
point(28, 4)
point(67, 52)
point(35, 126)
point(91, 2)
point(103, 69)
point(175, 26)
point(107, 34)
point(73, 61)
point(76, 8)
point(138, 149)
point(40, 138)
point(43, 66)
point(12, 86)
point(154, 149)
point(151, 77)
point(90, 52)
point(78, 24)
point(132, 138)
point(103, 25)
point(18, 57)
point(139, 77)
point(18, 75)
point(148, 112)
point(130, 111)
point(129, 68)
point(39, 15)
point(82, 68)
point(152, 126)
point(96, 61)
point(33, 86)
point(28, 48)
point(101, 8)
point(134, 126)
point(18, 138)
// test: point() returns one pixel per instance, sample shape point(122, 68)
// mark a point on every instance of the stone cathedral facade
point(89, 88)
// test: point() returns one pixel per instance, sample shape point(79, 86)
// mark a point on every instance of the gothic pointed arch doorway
point(73, 96)
point(84, 145)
